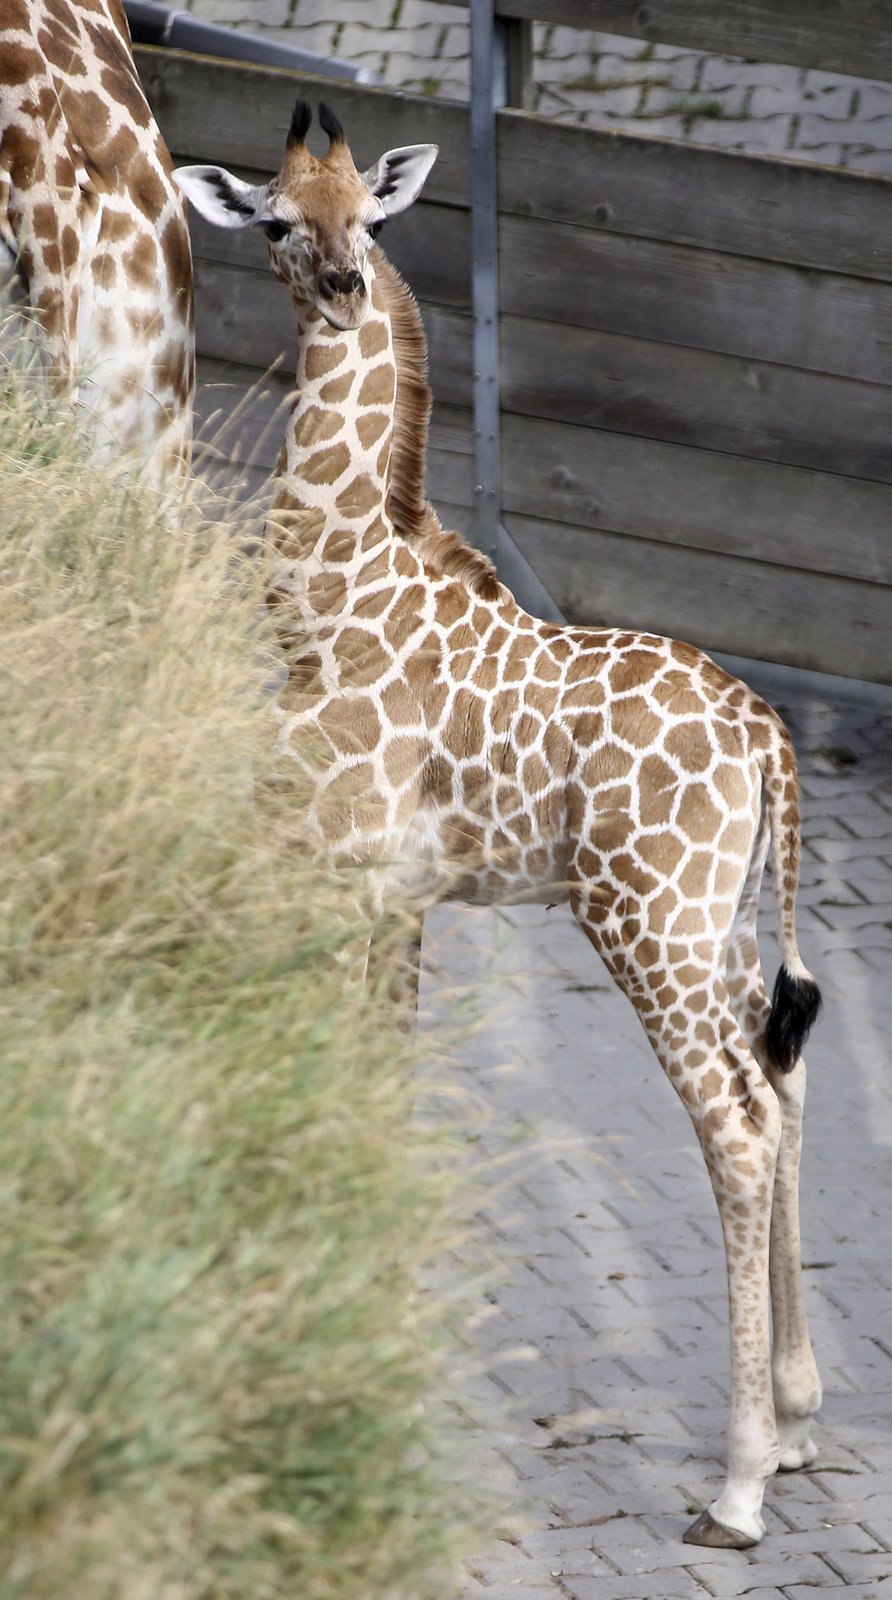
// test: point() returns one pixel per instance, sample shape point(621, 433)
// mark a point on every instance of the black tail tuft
point(794, 1006)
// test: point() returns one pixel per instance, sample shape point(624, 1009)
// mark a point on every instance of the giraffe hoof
point(793, 1457)
point(716, 1536)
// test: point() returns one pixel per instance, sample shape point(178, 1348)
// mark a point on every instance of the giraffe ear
point(397, 178)
point(222, 198)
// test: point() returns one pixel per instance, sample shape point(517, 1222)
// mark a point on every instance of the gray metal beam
point(160, 25)
point(489, 90)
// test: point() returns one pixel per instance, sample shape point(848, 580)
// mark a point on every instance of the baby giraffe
point(462, 746)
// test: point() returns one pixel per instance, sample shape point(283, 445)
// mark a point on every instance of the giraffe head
point(319, 216)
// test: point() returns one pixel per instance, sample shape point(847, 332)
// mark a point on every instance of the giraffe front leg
point(395, 964)
point(797, 1384)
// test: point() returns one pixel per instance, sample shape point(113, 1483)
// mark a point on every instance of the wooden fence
point(696, 358)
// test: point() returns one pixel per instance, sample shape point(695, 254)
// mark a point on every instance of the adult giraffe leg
point(738, 1122)
point(797, 1384)
point(395, 960)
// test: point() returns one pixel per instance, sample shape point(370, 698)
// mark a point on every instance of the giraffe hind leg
point(735, 1113)
point(796, 1383)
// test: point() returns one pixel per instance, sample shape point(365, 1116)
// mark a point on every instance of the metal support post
point(489, 90)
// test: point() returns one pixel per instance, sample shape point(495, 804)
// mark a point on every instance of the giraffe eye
point(275, 230)
point(374, 228)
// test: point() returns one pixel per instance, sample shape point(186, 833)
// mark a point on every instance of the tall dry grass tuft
point(215, 1202)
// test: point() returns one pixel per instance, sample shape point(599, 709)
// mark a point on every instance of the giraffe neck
point(443, 553)
point(347, 383)
point(329, 510)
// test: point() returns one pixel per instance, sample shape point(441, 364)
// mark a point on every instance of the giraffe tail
point(797, 999)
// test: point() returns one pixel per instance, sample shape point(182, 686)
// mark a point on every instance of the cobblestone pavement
point(598, 79)
point(600, 1404)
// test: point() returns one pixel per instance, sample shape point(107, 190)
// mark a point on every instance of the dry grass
point(216, 1203)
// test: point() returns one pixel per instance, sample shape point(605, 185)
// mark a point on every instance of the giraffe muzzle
point(342, 297)
point(336, 284)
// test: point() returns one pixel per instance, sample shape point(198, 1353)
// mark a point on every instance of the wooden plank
point(620, 381)
point(848, 36)
point(219, 111)
point(697, 498)
point(695, 397)
point(639, 287)
point(623, 378)
point(643, 288)
point(764, 311)
point(244, 317)
point(240, 412)
point(719, 602)
point(662, 391)
point(778, 210)
point(663, 494)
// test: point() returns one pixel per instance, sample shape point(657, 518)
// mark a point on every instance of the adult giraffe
point(92, 229)
point(458, 742)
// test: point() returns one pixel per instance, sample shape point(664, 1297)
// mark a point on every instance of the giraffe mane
point(442, 550)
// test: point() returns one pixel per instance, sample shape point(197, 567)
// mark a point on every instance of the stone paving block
point(657, 127)
point(789, 1492)
point(875, 100)
point(878, 161)
point(677, 1585)
point(828, 1542)
point(859, 1567)
point(721, 72)
point(399, 70)
point(570, 1550)
point(856, 1591)
point(816, 128)
point(617, 104)
point(760, 1593)
point(768, 99)
point(857, 918)
point(570, 44)
point(775, 1572)
point(452, 43)
point(812, 1516)
point(358, 37)
point(519, 1586)
point(823, 155)
point(236, 13)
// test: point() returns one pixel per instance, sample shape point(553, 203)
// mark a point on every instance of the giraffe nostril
point(332, 283)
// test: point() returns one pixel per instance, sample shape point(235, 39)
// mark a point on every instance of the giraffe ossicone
point(93, 238)
point(467, 750)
